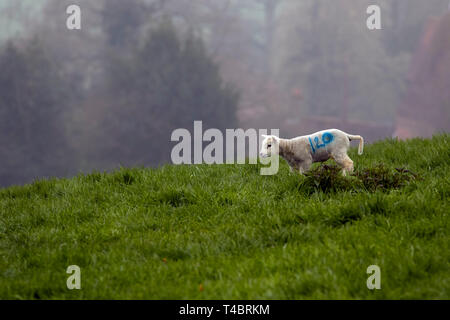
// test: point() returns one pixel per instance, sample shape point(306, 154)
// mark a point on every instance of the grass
point(226, 232)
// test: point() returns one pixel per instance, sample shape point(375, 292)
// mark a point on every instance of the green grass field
point(226, 232)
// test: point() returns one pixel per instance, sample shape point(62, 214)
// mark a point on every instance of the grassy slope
point(160, 233)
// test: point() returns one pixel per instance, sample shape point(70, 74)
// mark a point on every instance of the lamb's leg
point(344, 161)
point(295, 167)
point(304, 166)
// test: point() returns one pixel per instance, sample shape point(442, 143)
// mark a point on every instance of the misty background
point(111, 93)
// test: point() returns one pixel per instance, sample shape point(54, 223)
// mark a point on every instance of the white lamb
point(302, 151)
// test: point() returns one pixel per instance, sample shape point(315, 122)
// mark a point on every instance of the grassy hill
point(226, 232)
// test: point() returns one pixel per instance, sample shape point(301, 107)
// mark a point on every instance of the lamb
point(301, 152)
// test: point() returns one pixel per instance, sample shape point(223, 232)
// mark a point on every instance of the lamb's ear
point(264, 136)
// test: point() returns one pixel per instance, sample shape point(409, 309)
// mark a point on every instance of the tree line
point(59, 117)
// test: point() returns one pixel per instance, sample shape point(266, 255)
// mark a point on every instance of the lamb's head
point(269, 146)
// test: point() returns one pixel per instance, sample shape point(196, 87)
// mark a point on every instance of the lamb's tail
point(361, 142)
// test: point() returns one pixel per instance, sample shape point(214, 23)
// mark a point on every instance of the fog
point(111, 93)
